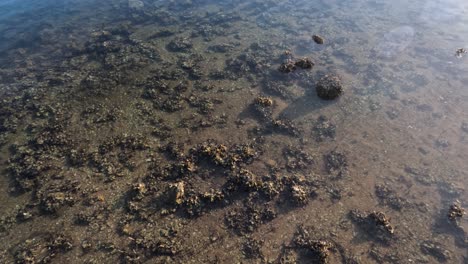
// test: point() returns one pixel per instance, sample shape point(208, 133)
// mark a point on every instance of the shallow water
point(163, 132)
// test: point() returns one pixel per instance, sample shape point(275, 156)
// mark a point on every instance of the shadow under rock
point(303, 106)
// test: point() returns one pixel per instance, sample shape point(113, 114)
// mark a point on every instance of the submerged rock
point(329, 87)
point(135, 4)
point(464, 127)
point(436, 250)
point(324, 129)
point(318, 39)
point(395, 42)
point(179, 44)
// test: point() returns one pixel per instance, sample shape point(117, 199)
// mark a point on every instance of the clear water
point(134, 132)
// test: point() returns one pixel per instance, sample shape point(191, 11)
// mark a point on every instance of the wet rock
point(262, 107)
point(86, 245)
point(252, 249)
point(264, 101)
point(319, 250)
point(318, 39)
point(286, 55)
point(304, 63)
point(196, 204)
point(243, 180)
point(287, 66)
point(222, 155)
point(299, 194)
point(247, 219)
point(335, 192)
point(380, 219)
point(290, 65)
point(42, 248)
point(329, 87)
point(436, 250)
point(270, 189)
point(24, 215)
point(455, 212)
point(162, 243)
point(56, 196)
point(53, 201)
point(460, 52)
point(375, 224)
point(139, 191)
point(297, 190)
point(283, 126)
point(177, 192)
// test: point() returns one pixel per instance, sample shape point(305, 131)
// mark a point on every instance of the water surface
point(163, 132)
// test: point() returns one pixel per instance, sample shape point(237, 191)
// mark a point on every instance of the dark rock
point(329, 87)
point(318, 39)
point(290, 65)
point(284, 126)
point(248, 219)
point(251, 249)
point(304, 63)
point(455, 212)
